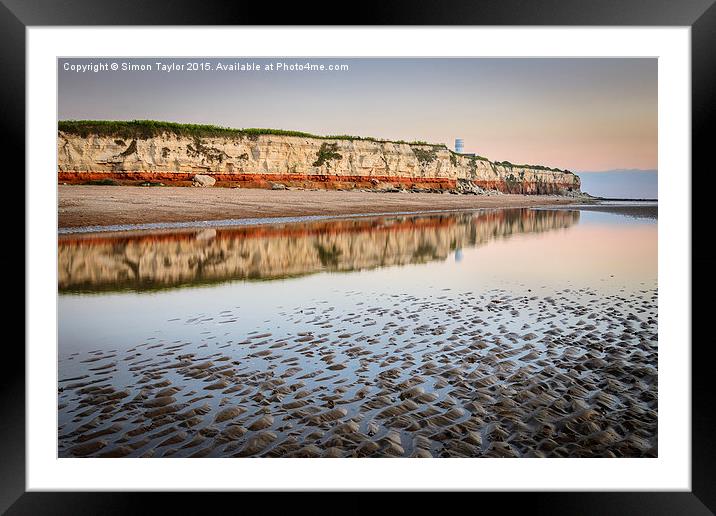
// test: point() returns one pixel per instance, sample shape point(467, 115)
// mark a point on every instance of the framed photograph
point(435, 251)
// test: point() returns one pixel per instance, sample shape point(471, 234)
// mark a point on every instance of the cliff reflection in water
point(156, 260)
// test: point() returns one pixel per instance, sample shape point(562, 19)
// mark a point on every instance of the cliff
point(163, 260)
point(173, 153)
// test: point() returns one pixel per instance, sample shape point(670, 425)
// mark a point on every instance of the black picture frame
point(699, 15)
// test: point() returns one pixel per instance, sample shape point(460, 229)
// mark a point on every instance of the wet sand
point(640, 211)
point(113, 205)
point(570, 374)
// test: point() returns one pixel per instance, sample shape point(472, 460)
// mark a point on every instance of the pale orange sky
point(580, 114)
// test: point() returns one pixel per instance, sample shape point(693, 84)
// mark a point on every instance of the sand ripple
point(572, 374)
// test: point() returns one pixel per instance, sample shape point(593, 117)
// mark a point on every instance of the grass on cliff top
point(469, 156)
point(536, 167)
point(145, 129)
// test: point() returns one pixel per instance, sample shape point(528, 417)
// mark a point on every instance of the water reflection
point(439, 345)
point(148, 261)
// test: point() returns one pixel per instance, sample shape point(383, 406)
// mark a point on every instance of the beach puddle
point(498, 333)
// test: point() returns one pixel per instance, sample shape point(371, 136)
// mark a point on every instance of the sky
point(584, 114)
point(621, 184)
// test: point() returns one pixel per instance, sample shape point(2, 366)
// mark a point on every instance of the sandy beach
point(110, 205)
point(382, 258)
point(502, 376)
point(289, 339)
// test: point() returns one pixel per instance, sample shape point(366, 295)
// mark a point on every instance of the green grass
point(326, 153)
point(476, 156)
point(425, 157)
point(535, 167)
point(145, 129)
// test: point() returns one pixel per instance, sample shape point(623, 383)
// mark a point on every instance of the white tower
point(459, 145)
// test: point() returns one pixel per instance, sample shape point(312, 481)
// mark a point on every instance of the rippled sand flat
point(572, 374)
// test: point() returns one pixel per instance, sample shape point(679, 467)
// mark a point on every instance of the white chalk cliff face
point(258, 160)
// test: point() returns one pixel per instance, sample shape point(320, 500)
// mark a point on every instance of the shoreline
point(107, 208)
point(240, 223)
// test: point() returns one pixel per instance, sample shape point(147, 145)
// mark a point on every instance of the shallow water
point(523, 332)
